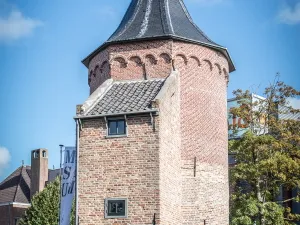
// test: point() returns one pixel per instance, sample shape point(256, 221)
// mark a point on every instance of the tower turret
point(39, 170)
point(174, 168)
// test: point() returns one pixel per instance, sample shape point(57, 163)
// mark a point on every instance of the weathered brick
point(154, 169)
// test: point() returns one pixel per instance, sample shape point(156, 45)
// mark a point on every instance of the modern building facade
point(153, 133)
point(17, 190)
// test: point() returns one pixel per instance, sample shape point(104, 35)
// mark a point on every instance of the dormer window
point(116, 127)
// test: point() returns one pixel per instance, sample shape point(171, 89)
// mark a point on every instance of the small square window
point(116, 127)
point(116, 208)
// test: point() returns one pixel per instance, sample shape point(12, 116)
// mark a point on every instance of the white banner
point(68, 179)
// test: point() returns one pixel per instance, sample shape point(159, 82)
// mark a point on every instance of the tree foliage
point(44, 209)
point(267, 158)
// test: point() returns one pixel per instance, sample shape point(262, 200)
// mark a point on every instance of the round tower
point(154, 38)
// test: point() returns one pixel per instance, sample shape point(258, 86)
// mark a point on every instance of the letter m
point(70, 156)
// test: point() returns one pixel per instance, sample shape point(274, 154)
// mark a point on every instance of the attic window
point(116, 126)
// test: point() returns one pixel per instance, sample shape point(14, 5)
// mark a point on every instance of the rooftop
point(124, 97)
point(16, 187)
point(159, 19)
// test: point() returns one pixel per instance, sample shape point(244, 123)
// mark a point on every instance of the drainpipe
point(77, 168)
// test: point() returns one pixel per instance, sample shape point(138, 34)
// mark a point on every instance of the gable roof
point(159, 19)
point(16, 187)
point(126, 97)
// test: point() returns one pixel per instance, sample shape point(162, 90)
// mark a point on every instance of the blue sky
point(42, 44)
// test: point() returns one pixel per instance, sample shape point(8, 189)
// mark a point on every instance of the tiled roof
point(126, 97)
point(52, 174)
point(16, 187)
point(159, 19)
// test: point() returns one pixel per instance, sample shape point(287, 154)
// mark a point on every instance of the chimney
point(39, 170)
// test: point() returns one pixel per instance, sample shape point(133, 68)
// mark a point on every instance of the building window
point(116, 127)
point(115, 208)
point(17, 220)
point(44, 154)
point(35, 154)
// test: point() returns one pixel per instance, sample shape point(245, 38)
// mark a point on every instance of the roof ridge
point(18, 185)
point(118, 32)
point(186, 12)
point(9, 176)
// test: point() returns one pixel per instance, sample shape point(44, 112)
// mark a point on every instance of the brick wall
point(131, 62)
point(119, 167)
point(5, 214)
point(168, 102)
point(203, 135)
point(8, 213)
point(39, 171)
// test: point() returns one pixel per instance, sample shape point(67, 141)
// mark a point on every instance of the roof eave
point(155, 111)
point(223, 50)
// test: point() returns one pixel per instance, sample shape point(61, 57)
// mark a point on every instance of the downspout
point(77, 168)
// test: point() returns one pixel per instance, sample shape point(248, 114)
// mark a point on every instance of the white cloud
point(294, 102)
point(290, 15)
point(4, 158)
point(16, 26)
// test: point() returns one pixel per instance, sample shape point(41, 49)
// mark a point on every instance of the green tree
point(267, 158)
point(44, 209)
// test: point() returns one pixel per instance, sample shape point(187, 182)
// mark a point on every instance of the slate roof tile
point(16, 187)
point(159, 19)
point(128, 96)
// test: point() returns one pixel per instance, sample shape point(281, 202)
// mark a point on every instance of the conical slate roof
point(159, 19)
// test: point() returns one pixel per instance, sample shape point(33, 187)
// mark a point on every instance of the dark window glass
point(116, 127)
point(116, 208)
point(121, 127)
point(112, 128)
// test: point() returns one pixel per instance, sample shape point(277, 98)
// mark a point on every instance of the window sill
point(116, 136)
point(115, 217)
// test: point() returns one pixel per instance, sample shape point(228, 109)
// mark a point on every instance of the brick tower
point(39, 170)
point(153, 143)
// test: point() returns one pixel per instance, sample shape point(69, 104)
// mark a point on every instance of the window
point(116, 127)
point(44, 154)
point(35, 154)
point(17, 221)
point(115, 208)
